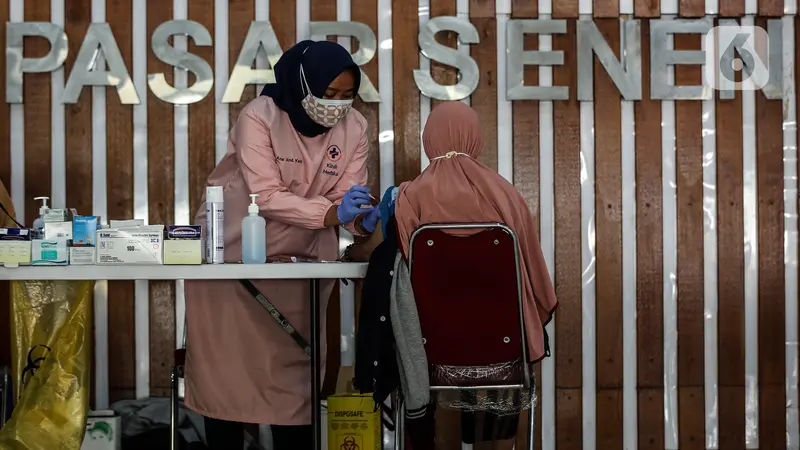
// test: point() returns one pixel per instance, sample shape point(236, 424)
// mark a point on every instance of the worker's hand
point(352, 202)
point(370, 221)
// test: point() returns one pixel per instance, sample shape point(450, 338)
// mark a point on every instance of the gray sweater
point(411, 359)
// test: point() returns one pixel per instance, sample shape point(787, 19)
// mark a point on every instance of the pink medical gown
point(240, 365)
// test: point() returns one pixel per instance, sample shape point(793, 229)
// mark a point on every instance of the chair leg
point(531, 424)
point(173, 410)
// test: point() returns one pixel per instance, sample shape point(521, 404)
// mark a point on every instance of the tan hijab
point(5, 199)
point(456, 187)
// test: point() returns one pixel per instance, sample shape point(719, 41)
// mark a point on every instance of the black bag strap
point(387, 412)
point(280, 319)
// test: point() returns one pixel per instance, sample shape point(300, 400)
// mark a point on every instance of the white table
point(306, 271)
point(200, 272)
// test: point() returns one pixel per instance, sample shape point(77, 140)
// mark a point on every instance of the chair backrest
point(468, 294)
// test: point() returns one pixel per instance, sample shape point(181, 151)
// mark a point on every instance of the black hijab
point(322, 62)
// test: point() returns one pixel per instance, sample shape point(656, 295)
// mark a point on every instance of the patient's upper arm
point(362, 250)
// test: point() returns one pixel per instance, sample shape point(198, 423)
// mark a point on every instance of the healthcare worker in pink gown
point(301, 147)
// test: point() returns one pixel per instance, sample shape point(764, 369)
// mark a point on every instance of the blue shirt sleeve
point(386, 207)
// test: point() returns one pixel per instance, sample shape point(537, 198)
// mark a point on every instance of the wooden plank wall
point(575, 413)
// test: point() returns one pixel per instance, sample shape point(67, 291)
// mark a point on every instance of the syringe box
point(136, 245)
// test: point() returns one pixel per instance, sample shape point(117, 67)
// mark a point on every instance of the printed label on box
point(132, 246)
point(50, 252)
point(102, 433)
point(81, 256)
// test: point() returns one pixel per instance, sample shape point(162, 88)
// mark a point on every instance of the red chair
point(468, 292)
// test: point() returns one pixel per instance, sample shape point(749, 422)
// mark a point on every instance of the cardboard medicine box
point(183, 245)
point(50, 252)
point(354, 422)
point(58, 230)
point(84, 230)
point(82, 256)
point(15, 246)
point(55, 215)
point(103, 431)
point(136, 245)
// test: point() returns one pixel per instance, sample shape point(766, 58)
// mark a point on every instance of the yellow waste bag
point(51, 351)
point(353, 423)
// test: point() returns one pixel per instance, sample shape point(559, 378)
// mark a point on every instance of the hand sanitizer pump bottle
point(254, 235)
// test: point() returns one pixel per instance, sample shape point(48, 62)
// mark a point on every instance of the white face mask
point(323, 111)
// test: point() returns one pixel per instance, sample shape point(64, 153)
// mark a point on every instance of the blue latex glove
point(352, 202)
point(370, 221)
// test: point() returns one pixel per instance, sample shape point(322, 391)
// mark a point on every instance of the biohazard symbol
point(33, 364)
point(349, 444)
point(334, 153)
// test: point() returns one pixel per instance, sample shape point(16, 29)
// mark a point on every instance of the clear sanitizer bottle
point(254, 235)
